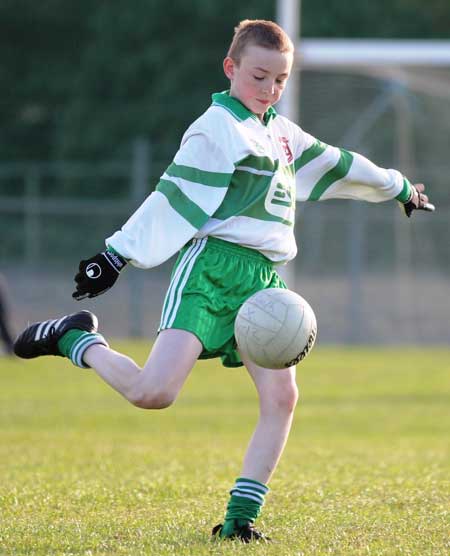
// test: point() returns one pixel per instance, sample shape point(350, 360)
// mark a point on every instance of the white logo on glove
point(93, 271)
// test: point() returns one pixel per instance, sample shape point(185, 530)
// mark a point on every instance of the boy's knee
point(283, 397)
point(152, 400)
point(289, 398)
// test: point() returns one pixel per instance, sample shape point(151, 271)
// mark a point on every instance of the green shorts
point(210, 281)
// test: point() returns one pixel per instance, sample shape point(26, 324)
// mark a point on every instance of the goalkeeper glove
point(98, 274)
point(417, 200)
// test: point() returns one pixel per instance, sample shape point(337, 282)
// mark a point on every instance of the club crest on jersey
point(286, 148)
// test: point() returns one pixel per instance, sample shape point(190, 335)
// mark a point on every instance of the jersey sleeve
point(188, 193)
point(326, 172)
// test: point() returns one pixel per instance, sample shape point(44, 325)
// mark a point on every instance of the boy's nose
point(269, 89)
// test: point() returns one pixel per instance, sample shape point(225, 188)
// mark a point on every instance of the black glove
point(97, 274)
point(417, 201)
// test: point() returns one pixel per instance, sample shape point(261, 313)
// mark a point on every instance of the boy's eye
point(258, 78)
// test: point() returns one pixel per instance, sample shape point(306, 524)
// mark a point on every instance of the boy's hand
point(97, 274)
point(418, 200)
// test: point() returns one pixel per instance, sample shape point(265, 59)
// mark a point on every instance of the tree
point(39, 45)
point(149, 75)
point(82, 79)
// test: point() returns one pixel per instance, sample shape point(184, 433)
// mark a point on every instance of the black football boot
point(245, 533)
point(41, 338)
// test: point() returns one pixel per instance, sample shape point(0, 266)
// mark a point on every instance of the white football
point(276, 328)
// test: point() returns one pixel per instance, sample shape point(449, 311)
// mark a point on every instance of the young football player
point(226, 203)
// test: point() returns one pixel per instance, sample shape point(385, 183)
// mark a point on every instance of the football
point(276, 328)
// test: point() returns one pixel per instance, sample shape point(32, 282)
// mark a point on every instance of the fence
point(372, 275)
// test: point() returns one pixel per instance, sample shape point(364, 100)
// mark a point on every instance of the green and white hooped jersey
point(238, 179)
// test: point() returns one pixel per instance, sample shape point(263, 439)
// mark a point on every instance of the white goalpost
point(377, 57)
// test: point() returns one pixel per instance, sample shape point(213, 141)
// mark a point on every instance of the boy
point(227, 201)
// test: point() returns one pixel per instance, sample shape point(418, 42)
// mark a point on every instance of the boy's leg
point(75, 336)
point(159, 382)
point(278, 394)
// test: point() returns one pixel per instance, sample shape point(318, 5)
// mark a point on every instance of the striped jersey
point(238, 178)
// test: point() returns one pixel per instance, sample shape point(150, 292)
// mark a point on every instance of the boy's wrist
point(115, 258)
point(407, 192)
point(411, 195)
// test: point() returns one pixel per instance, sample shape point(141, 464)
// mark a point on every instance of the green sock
point(75, 342)
point(247, 498)
point(66, 342)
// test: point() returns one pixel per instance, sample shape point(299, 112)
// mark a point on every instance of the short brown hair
point(258, 32)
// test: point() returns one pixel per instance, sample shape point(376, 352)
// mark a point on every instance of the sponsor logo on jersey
point(280, 199)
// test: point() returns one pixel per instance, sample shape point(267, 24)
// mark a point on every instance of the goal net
point(372, 274)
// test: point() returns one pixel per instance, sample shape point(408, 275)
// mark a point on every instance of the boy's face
point(258, 81)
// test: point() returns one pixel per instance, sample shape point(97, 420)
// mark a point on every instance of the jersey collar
point(237, 109)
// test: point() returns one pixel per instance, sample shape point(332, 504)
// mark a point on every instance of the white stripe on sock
point(260, 488)
point(78, 349)
point(247, 491)
point(74, 348)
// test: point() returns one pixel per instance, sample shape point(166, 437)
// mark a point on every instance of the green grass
point(365, 472)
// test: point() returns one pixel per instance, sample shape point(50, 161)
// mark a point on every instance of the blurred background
point(94, 99)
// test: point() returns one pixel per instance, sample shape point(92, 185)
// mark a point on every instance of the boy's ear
point(228, 67)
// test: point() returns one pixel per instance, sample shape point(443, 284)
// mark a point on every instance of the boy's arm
point(188, 193)
point(325, 172)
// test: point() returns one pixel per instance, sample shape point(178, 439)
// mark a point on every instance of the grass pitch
point(365, 472)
